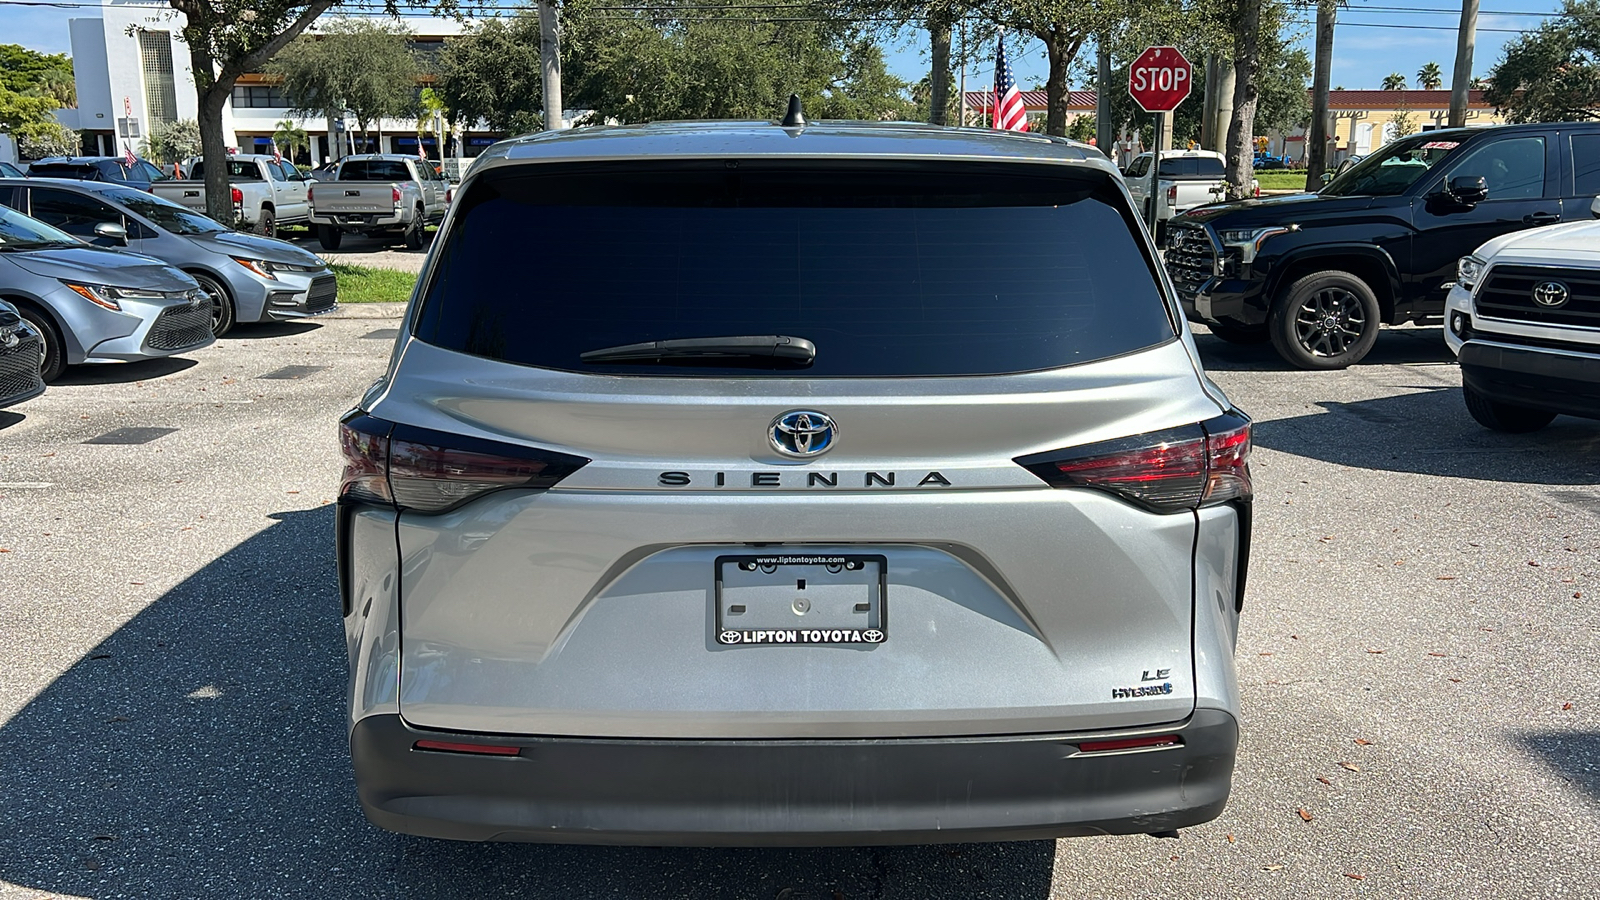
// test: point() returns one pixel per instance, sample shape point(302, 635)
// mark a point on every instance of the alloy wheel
point(1330, 322)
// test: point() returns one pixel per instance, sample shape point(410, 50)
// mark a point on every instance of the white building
point(132, 70)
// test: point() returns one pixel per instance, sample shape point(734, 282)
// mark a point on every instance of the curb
point(366, 311)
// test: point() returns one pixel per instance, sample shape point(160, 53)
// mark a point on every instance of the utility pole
point(1104, 137)
point(1317, 137)
point(1222, 113)
point(1465, 42)
point(550, 64)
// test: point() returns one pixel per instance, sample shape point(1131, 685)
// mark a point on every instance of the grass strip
point(363, 284)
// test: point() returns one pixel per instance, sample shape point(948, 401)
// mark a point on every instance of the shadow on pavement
point(200, 752)
point(1574, 755)
point(9, 418)
point(1395, 346)
point(1429, 432)
point(125, 373)
point(258, 330)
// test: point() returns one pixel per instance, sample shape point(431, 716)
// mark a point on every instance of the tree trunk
point(1462, 80)
point(939, 77)
point(214, 151)
point(1241, 127)
point(1208, 106)
point(1317, 136)
point(1222, 108)
point(550, 64)
point(1061, 51)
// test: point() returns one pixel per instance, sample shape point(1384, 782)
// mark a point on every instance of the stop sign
point(1160, 79)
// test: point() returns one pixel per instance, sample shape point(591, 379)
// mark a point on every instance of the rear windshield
point(75, 171)
point(374, 170)
point(238, 170)
point(888, 270)
point(1192, 166)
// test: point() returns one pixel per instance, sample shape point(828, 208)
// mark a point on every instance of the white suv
point(1524, 318)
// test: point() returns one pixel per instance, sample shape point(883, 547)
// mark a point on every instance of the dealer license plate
point(795, 598)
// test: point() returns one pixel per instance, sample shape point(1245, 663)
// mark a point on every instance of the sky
point(1373, 39)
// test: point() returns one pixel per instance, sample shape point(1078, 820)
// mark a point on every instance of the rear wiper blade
point(776, 348)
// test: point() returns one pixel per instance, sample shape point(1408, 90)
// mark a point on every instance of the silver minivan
point(733, 483)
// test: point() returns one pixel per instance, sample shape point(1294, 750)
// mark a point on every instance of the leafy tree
point(228, 38)
point(1394, 81)
point(291, 137)
point(1082, 129)
point(491, 73)
point(740, 64)
point(1430, 77)
point(32, 87)
point(362, 65)
point(1551, 74)
point(171, 141)
point(42, 74)
point(49, 139)
point(1402, 122)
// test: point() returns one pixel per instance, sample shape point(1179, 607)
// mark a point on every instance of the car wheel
point(54, 361)
point(1236, 335)
point(1326, 320)
point(329, 237)
point(413, 234)
point(1497, 416)
point(223, 313)
point(267, 224)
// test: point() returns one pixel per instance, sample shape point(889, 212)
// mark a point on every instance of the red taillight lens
point(238, 196)
point(395, 191)
point(1166, 471)
point(432, 471)
point(1138, 743)
point(1172, 195)
point(480, 749)
point(449, 195)
point(309, 192)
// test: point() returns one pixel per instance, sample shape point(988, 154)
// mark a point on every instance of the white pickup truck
point(1187, 178)
point(1523, 316)
point(379, 195)
point(267, 192)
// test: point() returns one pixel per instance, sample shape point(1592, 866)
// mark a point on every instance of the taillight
point(449, 195)
point(433, 471)
point(309, 191)
point(1165, 471)
point(395, 191)
point(1172, 195)
point(238, 196)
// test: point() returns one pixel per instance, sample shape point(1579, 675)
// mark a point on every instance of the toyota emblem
point(1551, 294)
point(803, 434)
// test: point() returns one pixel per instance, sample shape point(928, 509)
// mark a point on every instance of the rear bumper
point(1559, 381)
point(792, 793)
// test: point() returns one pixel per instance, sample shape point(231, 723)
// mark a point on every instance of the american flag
point(1009, 114)
point(127, 154)
point(277, 154)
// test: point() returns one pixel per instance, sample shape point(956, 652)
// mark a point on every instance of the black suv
point(114, 169)
point(1316, 273)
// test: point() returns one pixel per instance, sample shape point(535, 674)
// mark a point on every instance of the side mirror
point(1594, 208)
point(1326, 177)
point(111, 231)
point(1469, 190)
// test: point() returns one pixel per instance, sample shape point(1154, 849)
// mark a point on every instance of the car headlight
point(1248, 241)
point(266, 268)
point(1468, 270)
point(110, 297)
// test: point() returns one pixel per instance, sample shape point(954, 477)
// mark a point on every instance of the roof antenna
point(794, 118)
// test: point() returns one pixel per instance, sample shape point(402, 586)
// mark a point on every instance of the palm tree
point(1430, 77)
point(291, 137)
point(1394, 82)
point(1477, 84)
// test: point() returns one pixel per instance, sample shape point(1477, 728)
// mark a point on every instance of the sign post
point(1159, 81)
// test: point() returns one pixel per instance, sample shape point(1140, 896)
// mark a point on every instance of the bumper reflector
point(1138, 743)
point(480, 749)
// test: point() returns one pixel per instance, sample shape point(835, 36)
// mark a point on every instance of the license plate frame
point(832, 588)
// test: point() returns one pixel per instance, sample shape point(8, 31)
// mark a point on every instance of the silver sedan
point(250, 278)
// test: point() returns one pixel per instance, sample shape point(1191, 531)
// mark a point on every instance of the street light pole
point(550, 64)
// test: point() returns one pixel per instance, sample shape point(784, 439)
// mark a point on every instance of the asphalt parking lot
point(1421, 718)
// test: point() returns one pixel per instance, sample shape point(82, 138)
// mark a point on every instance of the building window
point(253, 97)
point(160, 92)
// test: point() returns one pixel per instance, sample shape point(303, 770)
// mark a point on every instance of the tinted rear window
point(238, 170)
point(374, 170)
point(76, 171)
point(888, 270)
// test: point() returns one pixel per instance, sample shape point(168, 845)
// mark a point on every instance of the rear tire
point(1326, 320)
point(413, 233)
point(267, 224)
point(1506, 417)
point(223, 313)
point(54, 362)
point(1243, 336)
point(329, 237)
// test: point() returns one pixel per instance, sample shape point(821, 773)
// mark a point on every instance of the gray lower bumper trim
point(792, 793)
